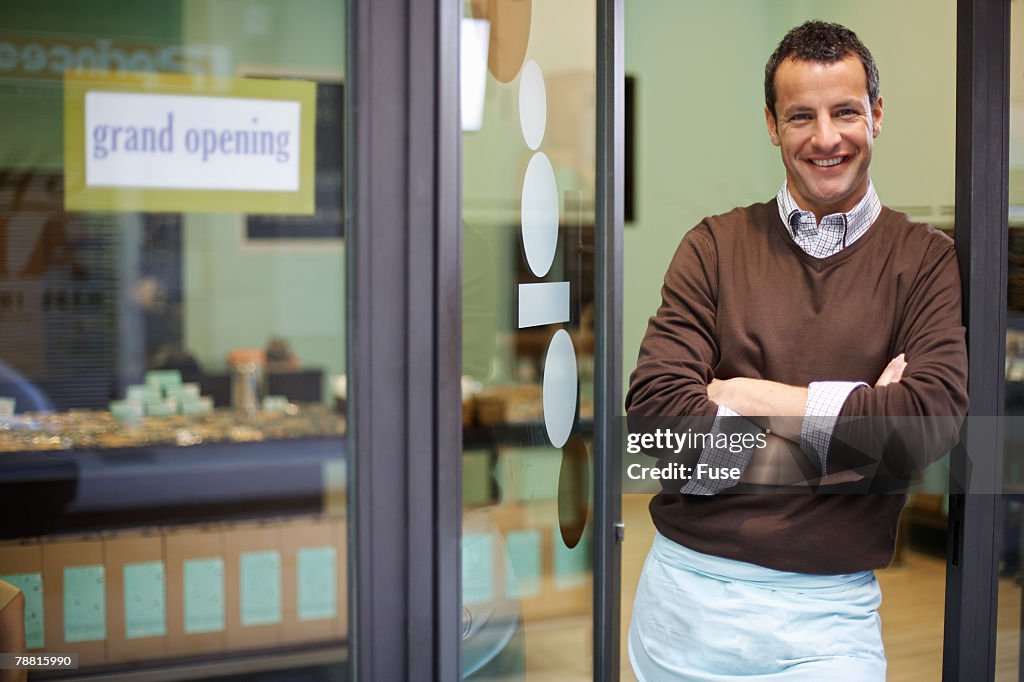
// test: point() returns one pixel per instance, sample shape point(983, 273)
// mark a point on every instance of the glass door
point(529, 112)
point(690, 119)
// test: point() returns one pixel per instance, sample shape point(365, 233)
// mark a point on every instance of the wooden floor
point(912, 618)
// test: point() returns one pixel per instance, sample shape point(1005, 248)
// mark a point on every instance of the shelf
point(90, 489)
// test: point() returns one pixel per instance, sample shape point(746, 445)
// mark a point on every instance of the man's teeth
point(827, 162)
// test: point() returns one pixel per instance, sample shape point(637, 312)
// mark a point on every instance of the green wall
point(238, 294)
point(36, 93)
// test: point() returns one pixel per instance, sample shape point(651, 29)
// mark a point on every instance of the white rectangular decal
point(191, 142)
point(543, 303)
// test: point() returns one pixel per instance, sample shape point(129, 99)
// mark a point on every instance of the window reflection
point(172, 375)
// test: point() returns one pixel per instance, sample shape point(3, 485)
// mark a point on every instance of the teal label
point(204, 595)
point(145, 612)
point(259, 580)
point(477, 568)
point(31, 585)
point(85, 607)
point(524, 556)
point(317, 575)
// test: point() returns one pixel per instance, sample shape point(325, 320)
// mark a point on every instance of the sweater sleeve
point(680, 349)
point(907, 425)
point(718, 455)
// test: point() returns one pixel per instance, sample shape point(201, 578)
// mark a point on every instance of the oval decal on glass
point(539, 214)
point(574, 491)
point(560, 388)
point(533, 105)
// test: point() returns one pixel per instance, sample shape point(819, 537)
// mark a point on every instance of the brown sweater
point(742, 299)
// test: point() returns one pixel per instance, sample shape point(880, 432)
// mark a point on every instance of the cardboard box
point(21, 564)
point(253, 565)
point(136, 595)
point(313, 567)
point(339, 534)
point(546, 578)
point(196, 590)
point(75, 610)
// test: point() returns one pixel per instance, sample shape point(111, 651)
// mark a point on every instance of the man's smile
point(828, 163)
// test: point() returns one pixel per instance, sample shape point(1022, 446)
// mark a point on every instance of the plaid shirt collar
point(836, 231)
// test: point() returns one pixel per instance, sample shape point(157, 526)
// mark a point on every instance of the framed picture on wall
point(327, 224)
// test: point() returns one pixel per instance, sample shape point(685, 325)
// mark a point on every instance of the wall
point(31, 86)
point(1017, 111)
point(237, 294)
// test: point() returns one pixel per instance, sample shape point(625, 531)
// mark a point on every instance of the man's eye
point(847, 113)
point(800, 117)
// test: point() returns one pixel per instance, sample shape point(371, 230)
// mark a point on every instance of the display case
point(160, 545)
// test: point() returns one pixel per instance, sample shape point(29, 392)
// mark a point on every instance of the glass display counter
point(191, 541)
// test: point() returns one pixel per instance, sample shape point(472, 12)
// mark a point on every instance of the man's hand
point(777, 407)
point(893, 372)
point(779, 462)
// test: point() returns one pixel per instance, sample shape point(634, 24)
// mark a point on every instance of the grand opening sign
point(183, 143)
point(177, 142)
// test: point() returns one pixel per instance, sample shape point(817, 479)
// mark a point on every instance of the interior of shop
point(173, 374)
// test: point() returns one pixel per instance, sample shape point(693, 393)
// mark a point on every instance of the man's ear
point(773, 128)
point(876, 117)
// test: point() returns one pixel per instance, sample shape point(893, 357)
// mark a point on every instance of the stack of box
point(149, 594)
point(162, 395)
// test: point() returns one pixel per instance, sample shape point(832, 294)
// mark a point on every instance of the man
point(816, 308)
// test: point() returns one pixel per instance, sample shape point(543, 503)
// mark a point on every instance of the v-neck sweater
point(741, 299)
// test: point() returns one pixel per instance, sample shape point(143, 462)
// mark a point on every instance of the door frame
point(609, 206)
point(976, 465)
point(404, 306)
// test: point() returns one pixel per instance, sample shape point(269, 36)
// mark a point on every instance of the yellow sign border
point(78, 197)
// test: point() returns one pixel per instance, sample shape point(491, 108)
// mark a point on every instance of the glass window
point(172, 328)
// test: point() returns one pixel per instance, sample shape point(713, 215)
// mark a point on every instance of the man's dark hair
point(819, 41)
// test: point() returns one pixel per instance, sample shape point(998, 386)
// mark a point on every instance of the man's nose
point(826, 135)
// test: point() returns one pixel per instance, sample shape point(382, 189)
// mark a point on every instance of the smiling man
point(824, 116)
point(791, 316)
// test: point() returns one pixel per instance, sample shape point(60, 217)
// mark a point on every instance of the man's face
point(825, 128)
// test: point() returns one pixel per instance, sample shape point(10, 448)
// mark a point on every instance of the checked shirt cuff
point(825, 400)
point(722, 457)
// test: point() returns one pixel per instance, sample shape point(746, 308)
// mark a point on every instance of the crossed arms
point(781, 461)
point(676, 371)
